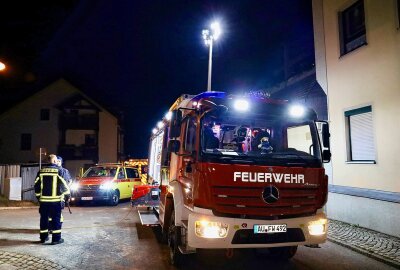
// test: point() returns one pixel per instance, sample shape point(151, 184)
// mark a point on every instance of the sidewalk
point(12, 260)
point(382, 247)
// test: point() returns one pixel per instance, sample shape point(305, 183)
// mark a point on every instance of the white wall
point(369, 75)
point(362, 212)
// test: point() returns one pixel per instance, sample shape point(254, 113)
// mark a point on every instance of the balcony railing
point(72, 121)
point(73, 152)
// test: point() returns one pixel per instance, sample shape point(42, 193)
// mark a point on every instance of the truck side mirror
point(175, 124)
point(326, 156)
point(174, 146)
point(325, 135)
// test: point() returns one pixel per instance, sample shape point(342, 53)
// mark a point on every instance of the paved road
point(102, 237)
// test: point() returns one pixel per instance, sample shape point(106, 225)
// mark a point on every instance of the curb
point(18, 207)
point(366, 253)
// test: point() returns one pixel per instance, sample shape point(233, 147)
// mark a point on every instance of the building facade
point(357, 51)
point(60, 119)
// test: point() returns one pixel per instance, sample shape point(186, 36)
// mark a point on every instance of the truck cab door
point(187, 161)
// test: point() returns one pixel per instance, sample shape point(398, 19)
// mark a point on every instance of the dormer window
point(44, 114)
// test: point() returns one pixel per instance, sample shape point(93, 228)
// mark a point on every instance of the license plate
point(87, 198)
point(270, 228)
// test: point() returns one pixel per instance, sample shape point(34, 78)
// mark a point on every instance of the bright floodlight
point(296, 111)
point(213, 34)
point(168, 116)
point(2, 66)
point(241, 105)
point(160, 125)
point(216, 30)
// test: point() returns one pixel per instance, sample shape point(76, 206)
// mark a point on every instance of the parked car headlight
point(74, 186)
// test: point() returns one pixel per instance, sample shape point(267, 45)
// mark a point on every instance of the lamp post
point(209, 35)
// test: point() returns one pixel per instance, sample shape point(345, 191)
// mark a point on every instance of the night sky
point(137, 57)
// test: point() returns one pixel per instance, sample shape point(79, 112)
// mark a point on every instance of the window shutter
point(362, 138)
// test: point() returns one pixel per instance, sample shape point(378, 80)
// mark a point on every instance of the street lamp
point(209, 36)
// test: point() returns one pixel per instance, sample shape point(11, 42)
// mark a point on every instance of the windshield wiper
point(306, 162)
point(234, 159)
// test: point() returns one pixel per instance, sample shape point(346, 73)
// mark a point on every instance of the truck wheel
point(283, 253)
point(114, 200)
point(174, 239)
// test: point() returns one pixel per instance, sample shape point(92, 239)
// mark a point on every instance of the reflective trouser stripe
point(57, 231)
point(44, 231)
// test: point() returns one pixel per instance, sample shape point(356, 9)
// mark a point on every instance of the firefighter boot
point(43, 240)
point(58, 242)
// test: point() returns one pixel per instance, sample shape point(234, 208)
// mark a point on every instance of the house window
point(352, 28)
point(26, 141)
point(45, 114)
point(360, 135)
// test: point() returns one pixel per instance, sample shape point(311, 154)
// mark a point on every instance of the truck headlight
point(209, 229)
point(106, 186)
point(318, 227)
point(74, 187)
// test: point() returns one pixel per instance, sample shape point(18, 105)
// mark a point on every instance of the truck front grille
point(249, 201)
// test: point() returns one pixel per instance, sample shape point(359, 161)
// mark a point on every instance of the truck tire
point(174, 240)
point(282, 253)
point(114, 200)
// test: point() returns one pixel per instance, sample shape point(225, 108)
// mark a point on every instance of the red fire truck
point(239, 172)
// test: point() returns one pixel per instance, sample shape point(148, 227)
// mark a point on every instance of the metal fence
point(27, 172)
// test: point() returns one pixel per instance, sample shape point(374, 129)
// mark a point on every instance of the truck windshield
point(267, 139)
point(100, 172)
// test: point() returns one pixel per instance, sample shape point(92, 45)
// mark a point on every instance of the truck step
point(148, 218)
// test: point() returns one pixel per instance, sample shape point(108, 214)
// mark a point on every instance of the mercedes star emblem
point(270, 194)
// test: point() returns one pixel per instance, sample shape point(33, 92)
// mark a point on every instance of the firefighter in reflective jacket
point(50, 190)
